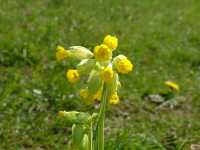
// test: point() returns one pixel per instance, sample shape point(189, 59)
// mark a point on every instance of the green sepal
point(94, 82)
point(75, 117)
point(113, 84)
point(80, 52)
point(77, 136)
point(85, 66)
point(85, 143)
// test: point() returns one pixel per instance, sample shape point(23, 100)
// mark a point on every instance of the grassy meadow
point(162, 38)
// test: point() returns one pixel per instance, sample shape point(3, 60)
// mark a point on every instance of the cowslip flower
point(172, 85)
point(88, 97)
point(83, 93)
point(102, 85)
point(97, 96)
point(61, 53)
point(111, 41)
point(122, 64)
point(102, 53)
point(72, 75)
point(114, 99)
point(107, 74)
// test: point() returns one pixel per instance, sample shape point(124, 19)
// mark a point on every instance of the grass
point(160, 37)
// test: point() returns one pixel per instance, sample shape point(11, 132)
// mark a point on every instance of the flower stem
point(91, 135)
point(100, 123)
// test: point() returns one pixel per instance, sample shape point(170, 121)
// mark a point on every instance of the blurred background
point(162, 38)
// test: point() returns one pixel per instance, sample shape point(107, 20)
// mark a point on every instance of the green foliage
point(161, 38)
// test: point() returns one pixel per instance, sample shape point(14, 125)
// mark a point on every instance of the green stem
point(100, 123)
point(91, 135)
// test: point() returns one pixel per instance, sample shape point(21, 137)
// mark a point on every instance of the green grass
point(160, 37)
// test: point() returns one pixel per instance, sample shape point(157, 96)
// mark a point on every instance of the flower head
point(102, 53)
point(61, 53)
point(111, 41)
point(173, 86)
point(122, 64)
point(107, 73)
point(72, 75)
point(101, 68)
point(114, 99)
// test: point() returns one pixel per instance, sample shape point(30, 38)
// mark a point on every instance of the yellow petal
point(102, 53)
point(111, 41)
point(72, 75)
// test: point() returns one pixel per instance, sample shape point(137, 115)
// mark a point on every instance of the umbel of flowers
point(102, 85)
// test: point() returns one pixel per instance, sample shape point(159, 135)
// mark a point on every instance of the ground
point(160, 37)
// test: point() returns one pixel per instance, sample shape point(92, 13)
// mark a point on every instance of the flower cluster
point(99, 66)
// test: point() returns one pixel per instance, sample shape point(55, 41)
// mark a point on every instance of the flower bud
point(80, 52)
point(75, 117)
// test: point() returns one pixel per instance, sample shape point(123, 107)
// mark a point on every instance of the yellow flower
point(107, 74)
point(102, 53)
point(122, 64)
point(83, 93)
point(88, 98)
point(97, 96)
point(72, 75)
point(173, 86)
point(111, 41)
point(61, 53)
point(114, 99)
